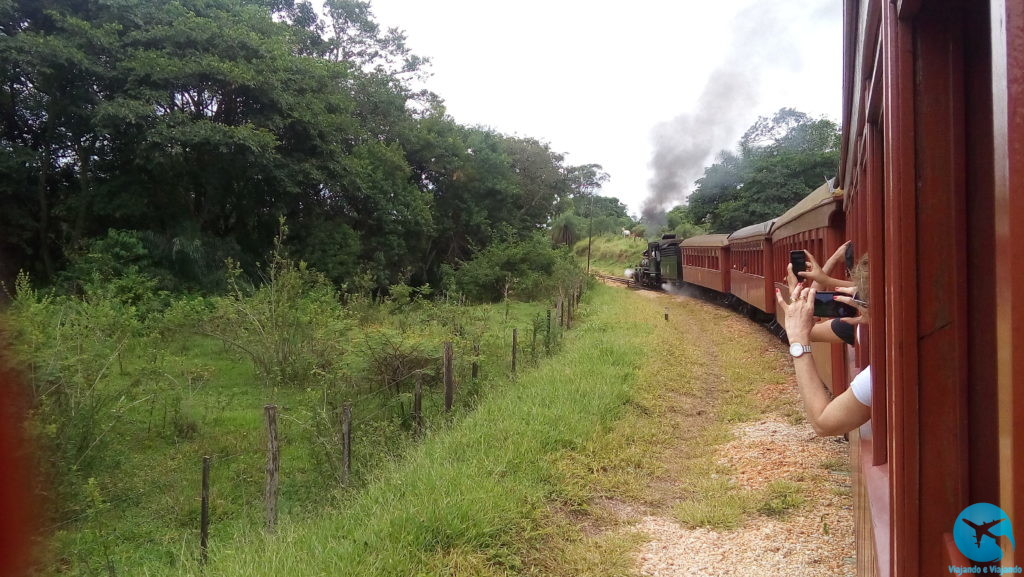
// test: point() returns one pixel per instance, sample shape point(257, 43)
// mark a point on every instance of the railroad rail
point(610, 278)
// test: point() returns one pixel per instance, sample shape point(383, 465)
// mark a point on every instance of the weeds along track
point(728, 301)
point(713, 469)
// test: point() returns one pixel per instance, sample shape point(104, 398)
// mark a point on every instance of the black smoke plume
point(762, 42)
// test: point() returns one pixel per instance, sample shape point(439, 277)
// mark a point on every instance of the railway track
point(610, 278)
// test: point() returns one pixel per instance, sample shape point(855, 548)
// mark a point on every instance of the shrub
point(116, 266)
point(68, 347)
point(291, 326)
point(529, 269)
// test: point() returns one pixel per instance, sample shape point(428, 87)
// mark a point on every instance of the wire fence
point(178, 486)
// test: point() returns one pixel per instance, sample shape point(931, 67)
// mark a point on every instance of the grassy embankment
point(610, 254)
point(473, 499)
point(167, 397)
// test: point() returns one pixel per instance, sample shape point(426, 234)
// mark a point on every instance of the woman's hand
point(799, 313)
point(863, 318)
point(813, 272)
point(837, 256)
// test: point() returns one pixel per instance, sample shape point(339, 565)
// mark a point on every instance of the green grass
point(611, 254)
point(719, 504)
point(780, 497)
point(140, 510)
point(836, 465)
point(471, 497)
point(713, 500)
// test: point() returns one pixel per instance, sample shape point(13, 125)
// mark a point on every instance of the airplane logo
point(982, 530)
point(982, 520)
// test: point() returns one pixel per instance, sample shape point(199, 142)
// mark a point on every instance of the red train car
point(815, 224)
point(933, 173)
point(706, 261)
point(750, 255)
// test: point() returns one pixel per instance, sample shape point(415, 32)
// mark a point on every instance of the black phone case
point(798, 259)
point(826, 306)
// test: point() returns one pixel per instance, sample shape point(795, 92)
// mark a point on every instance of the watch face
point(796, 349)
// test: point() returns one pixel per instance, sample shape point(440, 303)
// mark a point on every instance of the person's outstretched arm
point(828, 417)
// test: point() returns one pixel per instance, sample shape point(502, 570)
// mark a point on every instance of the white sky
point(593, 79)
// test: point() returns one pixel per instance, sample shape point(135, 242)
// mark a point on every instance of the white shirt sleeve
point(861, 386)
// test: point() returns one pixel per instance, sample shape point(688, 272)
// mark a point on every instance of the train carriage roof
point(812, 212)
point(754, 231)
point(708, 240)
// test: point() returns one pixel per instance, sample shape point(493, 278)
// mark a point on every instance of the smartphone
point(825, 305)
point(799, 261)
point(848, 256)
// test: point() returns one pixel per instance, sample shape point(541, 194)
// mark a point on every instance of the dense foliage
point(586, 213)
point(128, 388)
point(779, 160)
point(528, 269)
point(191, 126)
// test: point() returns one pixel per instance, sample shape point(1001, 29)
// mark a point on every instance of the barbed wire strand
point(169, 482)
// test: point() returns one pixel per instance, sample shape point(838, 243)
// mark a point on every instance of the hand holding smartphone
point(798, 259)
point(826, 305)
point(849, 256)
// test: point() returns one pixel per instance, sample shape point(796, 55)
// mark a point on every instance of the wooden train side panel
point(942, 323)
point(724, 264)
point(705, 277)
point(874, 241)
point(768, 254)
point(835, 236)
point(900, 285)
point(983, 442)
point(871, 508)
point(749, 288)
point(749, 271)
point(707, 266)
point(1008, 124)
point(941, 242)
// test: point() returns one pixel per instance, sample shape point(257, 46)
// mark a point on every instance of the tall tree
point(199, 122)
point(781, 158)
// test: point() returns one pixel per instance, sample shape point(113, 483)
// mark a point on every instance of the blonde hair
point(859, 275)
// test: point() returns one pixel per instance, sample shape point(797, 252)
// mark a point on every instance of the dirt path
point(744, 486)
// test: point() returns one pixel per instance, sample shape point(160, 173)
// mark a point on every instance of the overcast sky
point(598, 80)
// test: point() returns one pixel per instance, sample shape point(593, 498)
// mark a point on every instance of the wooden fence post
point(204, 512)
point(346, 442)
point(449, 377)
point(666, 313)
point(547, 335)
point(417, 405)
point(273, 464)
point(515, 345)
point(561, 312)
point(476, 360)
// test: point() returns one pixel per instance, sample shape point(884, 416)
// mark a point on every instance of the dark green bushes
point(526, 269)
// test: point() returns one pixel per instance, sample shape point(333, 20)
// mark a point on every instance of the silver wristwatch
point(797, 350)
